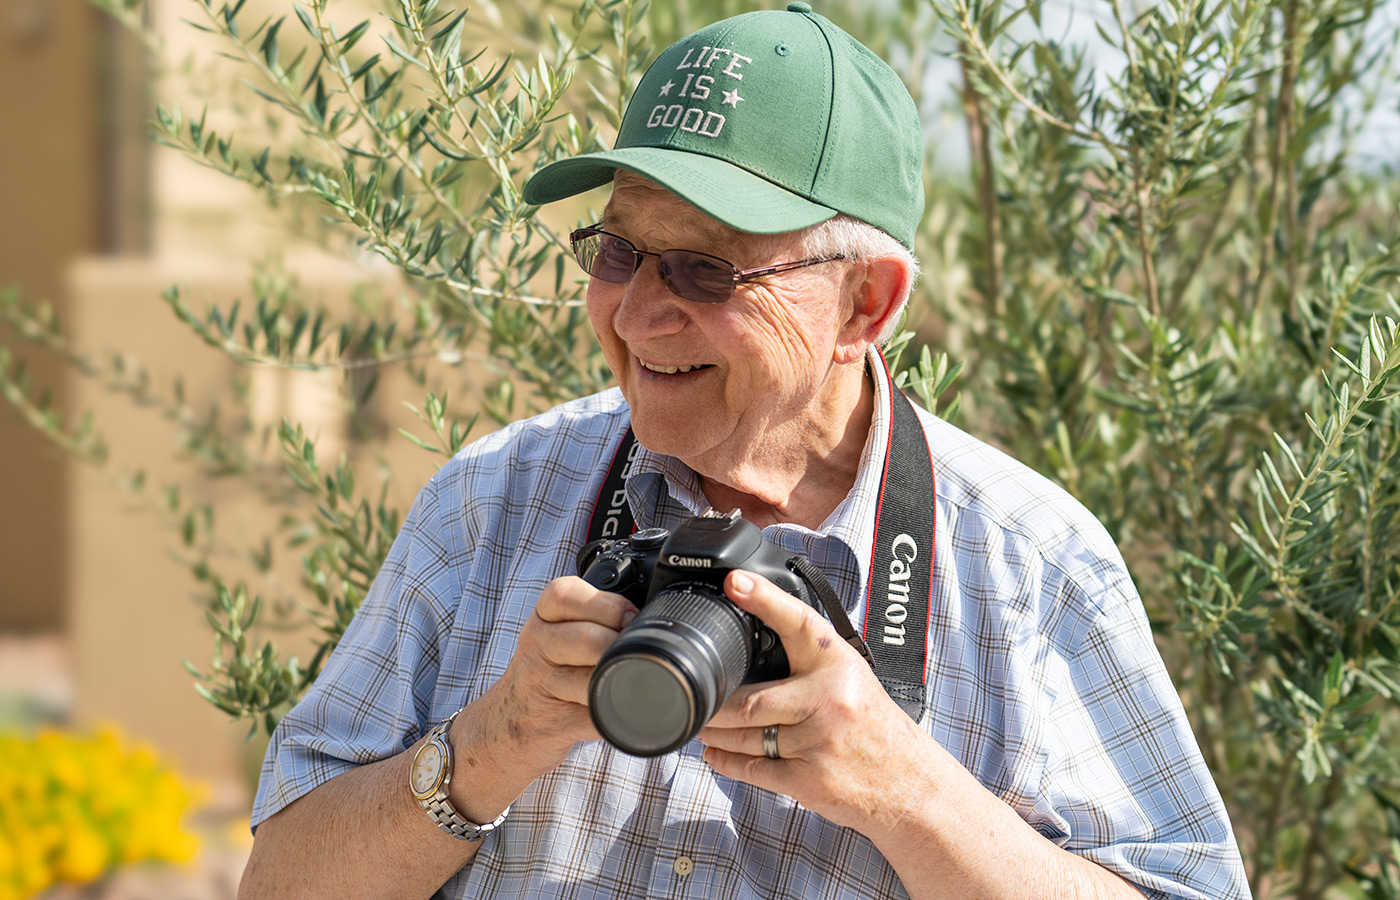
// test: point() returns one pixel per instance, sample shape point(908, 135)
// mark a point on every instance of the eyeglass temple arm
point(746, 274)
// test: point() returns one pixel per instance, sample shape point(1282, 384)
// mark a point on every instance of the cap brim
point(734, 196)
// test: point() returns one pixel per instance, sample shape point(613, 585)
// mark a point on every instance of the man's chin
point(681, 433)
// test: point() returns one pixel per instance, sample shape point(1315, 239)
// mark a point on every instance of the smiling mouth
point(671, 370)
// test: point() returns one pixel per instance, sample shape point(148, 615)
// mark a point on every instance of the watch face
point(427, 770)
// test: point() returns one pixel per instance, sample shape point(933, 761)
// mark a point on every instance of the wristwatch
point(429, 779)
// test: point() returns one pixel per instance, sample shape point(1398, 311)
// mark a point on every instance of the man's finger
point(759, 771)
point(572, 599)
point(762, 703)
point(570, 684)
point(804, 633)
point(574, 643)
point(748, 740)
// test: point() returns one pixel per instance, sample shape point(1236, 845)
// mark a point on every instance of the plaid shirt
point(1043, 680)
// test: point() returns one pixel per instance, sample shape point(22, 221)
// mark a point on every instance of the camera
point(690, 647)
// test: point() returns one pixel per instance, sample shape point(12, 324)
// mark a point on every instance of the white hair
point(850, 238)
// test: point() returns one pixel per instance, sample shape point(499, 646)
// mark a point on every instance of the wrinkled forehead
point(645, 208)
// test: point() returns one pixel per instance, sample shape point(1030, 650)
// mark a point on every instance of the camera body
point(698, 556)
point(690, 647)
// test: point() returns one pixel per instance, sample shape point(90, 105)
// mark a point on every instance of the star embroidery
point(732, 98)
point(666, 88)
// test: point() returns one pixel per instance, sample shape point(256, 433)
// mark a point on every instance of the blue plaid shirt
point(1043, 680)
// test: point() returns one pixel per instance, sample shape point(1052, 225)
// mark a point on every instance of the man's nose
point(648, 308)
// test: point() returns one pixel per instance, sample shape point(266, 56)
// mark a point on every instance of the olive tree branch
point(970, 35)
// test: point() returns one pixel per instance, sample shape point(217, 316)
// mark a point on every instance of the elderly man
point(1012, 733)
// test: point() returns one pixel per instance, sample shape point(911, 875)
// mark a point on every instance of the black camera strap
point(901, 558)
point(612, 517)
point(820, 585)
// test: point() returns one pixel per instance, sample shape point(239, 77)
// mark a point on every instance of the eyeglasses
point(687, 274)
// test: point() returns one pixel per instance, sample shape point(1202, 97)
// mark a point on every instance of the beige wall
point(49, 213)
point(95, 219)
point(135, 612)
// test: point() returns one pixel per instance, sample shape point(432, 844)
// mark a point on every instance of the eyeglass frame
point(741, 276)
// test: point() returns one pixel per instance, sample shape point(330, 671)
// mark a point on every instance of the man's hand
point(525, 724)
point(362, 834)
point(849, 754)
point(840, 736)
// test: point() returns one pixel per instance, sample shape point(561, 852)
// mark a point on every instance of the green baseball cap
point(769, 121)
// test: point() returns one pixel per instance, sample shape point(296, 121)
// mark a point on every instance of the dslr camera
point(690, 647)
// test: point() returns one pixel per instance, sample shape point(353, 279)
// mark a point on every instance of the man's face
point(751, 378)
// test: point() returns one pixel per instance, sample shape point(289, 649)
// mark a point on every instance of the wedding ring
point(770, 741)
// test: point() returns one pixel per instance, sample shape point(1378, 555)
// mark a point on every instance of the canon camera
point(690, 647)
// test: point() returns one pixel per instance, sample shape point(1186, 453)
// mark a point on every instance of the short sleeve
point(373, 698)
point(1124, 782)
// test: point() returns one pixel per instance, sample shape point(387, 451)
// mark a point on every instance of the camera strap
point(899, 592)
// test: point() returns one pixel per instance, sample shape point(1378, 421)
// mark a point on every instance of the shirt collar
point(663, 491)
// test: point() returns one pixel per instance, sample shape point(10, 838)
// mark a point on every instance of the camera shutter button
point(648, 538)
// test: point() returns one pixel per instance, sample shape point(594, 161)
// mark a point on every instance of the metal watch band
point(440, 809)
point(451, 821)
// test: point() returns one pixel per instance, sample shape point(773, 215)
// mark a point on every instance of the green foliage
point(1183, 309)
point(1167, 285)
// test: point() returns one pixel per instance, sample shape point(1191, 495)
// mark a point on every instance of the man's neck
point(797, 477)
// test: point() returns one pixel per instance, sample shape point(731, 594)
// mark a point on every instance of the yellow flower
point(83, 857)
point(73, 806)
point(33, 878)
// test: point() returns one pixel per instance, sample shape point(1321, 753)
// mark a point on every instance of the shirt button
point(684, 865)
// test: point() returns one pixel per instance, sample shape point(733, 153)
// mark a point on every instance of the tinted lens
point(605, 256)
point(697, 276)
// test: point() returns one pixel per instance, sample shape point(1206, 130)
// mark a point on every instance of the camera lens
point(668, 671)
point(647, 703)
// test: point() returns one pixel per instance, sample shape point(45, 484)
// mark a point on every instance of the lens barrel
point(670, 669)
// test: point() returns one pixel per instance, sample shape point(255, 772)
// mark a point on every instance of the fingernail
point(742, 583)
point(628, 616)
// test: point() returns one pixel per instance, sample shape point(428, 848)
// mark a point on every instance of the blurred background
point(98, 609)
point(96, 615)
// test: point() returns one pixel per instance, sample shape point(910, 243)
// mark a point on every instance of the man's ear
point(875, 291)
